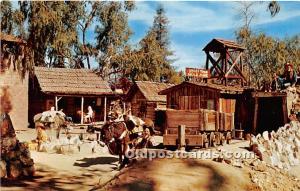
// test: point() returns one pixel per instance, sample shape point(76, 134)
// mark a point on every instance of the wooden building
point(197, 95)
point(261, 111)
point(144, 100)
point(12, 51)
point(72, 90)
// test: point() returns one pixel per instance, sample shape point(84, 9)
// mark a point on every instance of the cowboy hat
point(39, 124)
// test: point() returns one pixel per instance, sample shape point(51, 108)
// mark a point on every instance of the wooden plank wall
point(199, 120)
point(227, 105)
point(192, 97)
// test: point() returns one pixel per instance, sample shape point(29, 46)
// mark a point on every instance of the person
point(275, 83)
point(147, 139)
point(41, 133)
point(289, 77)
point(89, 115)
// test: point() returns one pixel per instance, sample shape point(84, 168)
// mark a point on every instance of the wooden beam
point(255, 116)
point(284, 110)
point(207, 63)
point(105, 100)
point(238, 71)
point(233, 65)
point(216, 64)
point(268, 94)
point(82, 103)
point(56, 103)
point(181, 137)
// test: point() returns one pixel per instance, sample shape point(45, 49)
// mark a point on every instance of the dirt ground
point(98, 171)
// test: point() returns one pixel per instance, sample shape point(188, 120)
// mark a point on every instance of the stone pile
point(64, 145)
point(15, 159)
point(279, 149)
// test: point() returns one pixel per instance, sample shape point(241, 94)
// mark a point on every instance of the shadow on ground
point(87, 162)
point(46, 178)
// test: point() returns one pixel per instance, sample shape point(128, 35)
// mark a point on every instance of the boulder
point(3, 169)
point(265, 135)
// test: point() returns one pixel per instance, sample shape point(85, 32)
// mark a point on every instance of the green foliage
point(5, 17)
point(268, 55)
point(151, 61)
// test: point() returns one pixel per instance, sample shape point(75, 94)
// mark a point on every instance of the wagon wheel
point(228, 137)
point(222, 139)
point(218, 138)
point(205, 140)
point(212, 140)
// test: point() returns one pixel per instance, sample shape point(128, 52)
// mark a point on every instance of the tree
point(112, 35)
point(5, 16)
point(151, 60)
point(258, 56)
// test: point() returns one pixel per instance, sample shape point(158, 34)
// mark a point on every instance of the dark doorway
point(270, 114)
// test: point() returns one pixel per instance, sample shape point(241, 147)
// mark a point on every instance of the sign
point(196, 73)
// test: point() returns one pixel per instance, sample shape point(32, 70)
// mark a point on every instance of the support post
point(255, 116)
point(105, 100)
point(56, 104)
point(284, 110)
point(181, 137)
point(82, 103)
point(124, 107)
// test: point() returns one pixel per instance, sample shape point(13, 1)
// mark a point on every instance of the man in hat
point(147, 139)
point(289, 77)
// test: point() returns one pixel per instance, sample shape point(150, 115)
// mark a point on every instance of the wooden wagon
point(202, 127)
point(206, 110)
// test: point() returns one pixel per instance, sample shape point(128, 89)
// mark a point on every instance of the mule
point(115, 136)
point(56, 121)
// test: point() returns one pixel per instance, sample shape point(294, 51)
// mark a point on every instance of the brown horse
point(115, 136)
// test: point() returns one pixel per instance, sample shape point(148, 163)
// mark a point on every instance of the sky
point(193, 24)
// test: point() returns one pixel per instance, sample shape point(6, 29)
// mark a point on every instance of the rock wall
point(279, 149)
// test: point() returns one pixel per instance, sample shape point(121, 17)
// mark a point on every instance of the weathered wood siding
point(192, 97)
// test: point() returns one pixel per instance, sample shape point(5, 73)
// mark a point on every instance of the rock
point(237, 163)
point(26, 161)
point(15, 169)
point(28, 171)
point(3, 172)
point(267, 145)
point(265, 135)
point(260, 167)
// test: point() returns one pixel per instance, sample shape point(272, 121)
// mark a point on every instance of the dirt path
point(181, 174)
point(78, 171)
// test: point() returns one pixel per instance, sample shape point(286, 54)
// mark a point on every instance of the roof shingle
point(67, 81)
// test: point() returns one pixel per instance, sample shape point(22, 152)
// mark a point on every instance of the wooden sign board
point(197, 73)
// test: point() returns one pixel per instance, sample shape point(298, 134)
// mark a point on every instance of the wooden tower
point(226, 64)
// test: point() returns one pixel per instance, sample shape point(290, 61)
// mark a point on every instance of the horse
point(116, 138)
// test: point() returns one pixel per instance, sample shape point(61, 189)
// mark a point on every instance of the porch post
point(56, 104)
point(124, 108)
point(105, 99)
point(82, 103)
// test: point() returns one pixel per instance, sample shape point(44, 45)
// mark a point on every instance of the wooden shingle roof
point(150, 90)
point(66, 81)
point(217, 45)
point(10, 38)
point(223, 89)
